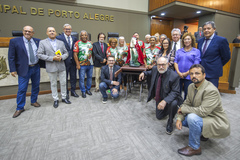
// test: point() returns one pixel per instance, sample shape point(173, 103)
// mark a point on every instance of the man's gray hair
point(154, 37)
point(176, 29)
point(210, 22)
point(163, 35)
point(82, 31)
point(148, 35)
point(29, 26)
point(165, 57)
point(65, 25)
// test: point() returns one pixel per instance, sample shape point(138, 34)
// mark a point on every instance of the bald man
point(24, 64)
point(54, 52)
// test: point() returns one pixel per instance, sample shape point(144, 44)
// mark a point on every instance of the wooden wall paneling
point(231, 6)
point(161, 27)
point(154, 4)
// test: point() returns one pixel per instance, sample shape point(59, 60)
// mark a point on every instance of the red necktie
point(102, 47)
point(158, 88)
point(200, 34)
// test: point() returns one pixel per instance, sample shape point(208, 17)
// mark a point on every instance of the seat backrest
point(17, 33)
point(113, 35)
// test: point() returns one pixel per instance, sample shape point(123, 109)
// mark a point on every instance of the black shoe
point(89, 93)
point(74, 94)
point(203, 138)
point(67, 96)
point(55, 104)
point(66, 101)
point(84, 95)
point(104, 101)
point(169, 128)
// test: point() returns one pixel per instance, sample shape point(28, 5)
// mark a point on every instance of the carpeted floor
point(87, 129)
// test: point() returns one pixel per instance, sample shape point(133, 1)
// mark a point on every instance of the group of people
point(171, 66)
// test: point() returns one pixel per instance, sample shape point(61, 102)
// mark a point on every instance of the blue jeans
point(85, 70)
point(33, 74)
point(103, 87)
point(195, 124)
point(184, 83)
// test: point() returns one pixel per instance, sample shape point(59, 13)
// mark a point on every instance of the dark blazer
point(105, 76)
point(98, 55)
point(170, 85)
point(197, 35)
point(215, 57)
point(70, 58)
point(18, 56)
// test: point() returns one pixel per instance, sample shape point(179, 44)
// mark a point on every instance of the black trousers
point(170, 109)
point(71, 70)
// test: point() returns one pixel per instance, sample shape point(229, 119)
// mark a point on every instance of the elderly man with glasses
point(165, 90)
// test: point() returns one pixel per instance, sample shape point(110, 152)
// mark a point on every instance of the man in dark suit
point(23, 61)
point(176, 35)
point(109, 81)
point(165, 89)
point(215, 52)
point(198, 35)
point(71, 69)
point(99, 57)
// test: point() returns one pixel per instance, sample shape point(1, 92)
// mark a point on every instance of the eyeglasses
point(67, 29)
point(28, 31)
point(111, 60)
point(165, 43)
point(164, 64)
point(176, 34)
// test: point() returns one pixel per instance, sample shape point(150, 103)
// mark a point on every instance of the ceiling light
point(152, 17)
point(162, 14)
point(198, 12)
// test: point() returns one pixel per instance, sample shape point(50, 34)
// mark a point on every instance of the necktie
point(158, 88)
point(69, 43)
point(174, 47)
point(111, 76)
point(200, 34)
point(205, 46)
point(31, 54)
point(102, 47)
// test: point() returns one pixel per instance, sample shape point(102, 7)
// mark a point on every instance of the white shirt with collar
point(34, 47)
point(178, 45)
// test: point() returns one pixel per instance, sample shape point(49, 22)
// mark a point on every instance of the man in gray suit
point(198, 35)
point(53, 51)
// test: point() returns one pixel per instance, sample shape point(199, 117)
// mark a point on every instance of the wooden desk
point(129, 71)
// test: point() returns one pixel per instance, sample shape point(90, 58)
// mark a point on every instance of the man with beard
point(201, 112)
point(165, 89)
point(84, 63)
point(99, 58)
point(109, 81)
